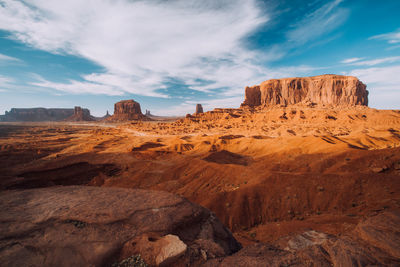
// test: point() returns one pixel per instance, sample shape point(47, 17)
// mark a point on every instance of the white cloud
point(351, 60)
point(383, 85)
point(391, 38)
point(208, 104)
point(323, 20)
point(7, 58)
point(383, 78)
point(141, 44)
point(374, 62)
point(308, 31)
point(5, 82)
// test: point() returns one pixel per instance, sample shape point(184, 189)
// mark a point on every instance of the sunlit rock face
point(329, 90)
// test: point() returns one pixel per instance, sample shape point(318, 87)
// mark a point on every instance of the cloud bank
point(141, 44)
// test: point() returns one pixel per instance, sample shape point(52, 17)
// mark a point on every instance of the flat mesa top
point(323, 76)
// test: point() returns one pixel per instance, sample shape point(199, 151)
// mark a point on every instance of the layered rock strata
point(327, 90)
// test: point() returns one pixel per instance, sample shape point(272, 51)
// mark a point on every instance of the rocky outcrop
point(374, 242)
point(37, 114)
point(93, 226)
point(106, 116)
point(199, 109)
point(81, 114)
point(127, 110)
point(328, 90)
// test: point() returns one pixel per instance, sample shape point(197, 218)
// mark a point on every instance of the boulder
point(155, 250)
point(92, 226)
point(329, 90)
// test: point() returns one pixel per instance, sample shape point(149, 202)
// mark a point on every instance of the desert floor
point(265, 174)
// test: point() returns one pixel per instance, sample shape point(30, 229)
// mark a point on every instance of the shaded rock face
point(199, 109)
point(81, 114)
point(331, 90)
point(127, 110)
point(127, 107)
point(92, 226)
point(374, 242)
point(37, 114)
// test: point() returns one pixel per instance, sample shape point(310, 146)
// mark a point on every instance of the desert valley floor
point(282, 180)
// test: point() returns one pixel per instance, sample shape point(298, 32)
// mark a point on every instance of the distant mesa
point(127, 110)
point(81, 114)
point(147, 113)
point(199, 109)
point(324, 90)
point(37, 114)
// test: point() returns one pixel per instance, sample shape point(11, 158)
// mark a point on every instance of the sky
point(170, 55)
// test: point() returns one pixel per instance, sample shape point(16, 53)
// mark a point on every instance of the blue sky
point(171, 54)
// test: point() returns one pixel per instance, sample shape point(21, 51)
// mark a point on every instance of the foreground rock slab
point(91, 226)
point(374, 242)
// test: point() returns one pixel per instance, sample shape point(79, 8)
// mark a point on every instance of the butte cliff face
point(329, 90)
point(127, 110)
point(81, 114)
point(199, 109)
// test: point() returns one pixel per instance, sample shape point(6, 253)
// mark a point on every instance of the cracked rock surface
point(88, 226)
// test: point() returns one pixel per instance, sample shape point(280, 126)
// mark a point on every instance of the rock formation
point(81, 114)
point(37, 114)
point(92, 226)
point(374, 242)
point(127, 110)
point(329, 90)
point(106, 116)
point(199, 109)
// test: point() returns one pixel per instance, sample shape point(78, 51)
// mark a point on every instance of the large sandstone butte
point(329, 90)
point(92, 226)
point(127, 110)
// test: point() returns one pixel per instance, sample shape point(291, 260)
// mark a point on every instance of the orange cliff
point(331, 90)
